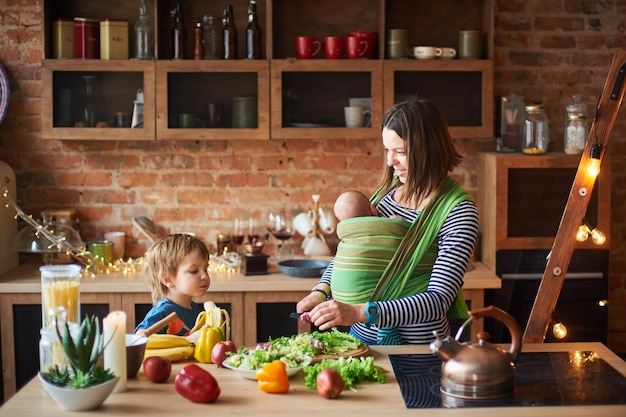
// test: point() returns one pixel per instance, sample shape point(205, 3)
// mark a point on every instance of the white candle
point(115, 351)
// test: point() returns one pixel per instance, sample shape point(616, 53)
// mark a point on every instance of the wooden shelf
point(463, 89)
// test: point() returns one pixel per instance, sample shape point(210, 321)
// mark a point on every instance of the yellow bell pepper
point(273, 378)
point(207, 338)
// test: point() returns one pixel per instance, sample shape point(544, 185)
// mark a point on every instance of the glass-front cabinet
point(280, 95)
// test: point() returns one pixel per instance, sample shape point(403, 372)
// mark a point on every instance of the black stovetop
point(541, 379)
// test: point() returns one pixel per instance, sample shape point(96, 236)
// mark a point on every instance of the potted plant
point(83, 385)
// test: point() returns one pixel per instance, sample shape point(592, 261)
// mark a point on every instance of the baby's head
point(165, 256)
point(353, 204)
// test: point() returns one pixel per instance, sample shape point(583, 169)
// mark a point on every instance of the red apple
point(157, 369)
point(218, 353)
point(329, 383)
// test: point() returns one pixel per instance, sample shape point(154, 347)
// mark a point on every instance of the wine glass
point(237, 234)
point(280, 225)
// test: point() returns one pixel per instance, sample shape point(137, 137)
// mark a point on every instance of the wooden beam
point(576, 207)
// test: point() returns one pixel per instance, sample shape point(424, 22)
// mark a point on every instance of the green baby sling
point(412, 248)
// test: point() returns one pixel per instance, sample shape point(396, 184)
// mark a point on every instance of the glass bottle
point(211, 38)
point(88, 112)
point(253, 34)
point(178, 33)
point(144, 34)
point(536, 131)
point(230, 33)
point(575, 131)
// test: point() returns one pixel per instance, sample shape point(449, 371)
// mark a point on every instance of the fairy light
point(92, 265)
point(587, 229)
point(593, 167)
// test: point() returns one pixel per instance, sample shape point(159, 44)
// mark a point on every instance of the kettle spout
point(446, 348)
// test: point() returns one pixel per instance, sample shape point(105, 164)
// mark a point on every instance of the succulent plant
point(82, 354)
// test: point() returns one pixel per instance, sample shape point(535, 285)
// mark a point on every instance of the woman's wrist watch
point(372, 311)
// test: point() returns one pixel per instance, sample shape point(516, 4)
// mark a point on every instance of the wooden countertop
point(242, 397)
point(26, 279)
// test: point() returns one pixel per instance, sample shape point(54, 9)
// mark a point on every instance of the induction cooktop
point(541, 379)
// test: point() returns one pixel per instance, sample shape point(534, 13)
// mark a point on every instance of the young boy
point(176, 268)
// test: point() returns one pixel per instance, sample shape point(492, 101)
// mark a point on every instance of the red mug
point(356, 47)
point(333, 47)
point(307, 47)
point(371, 39)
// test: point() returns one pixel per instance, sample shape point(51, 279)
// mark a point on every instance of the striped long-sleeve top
point(417, 316)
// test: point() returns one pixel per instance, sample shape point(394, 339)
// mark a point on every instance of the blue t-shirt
point(163, 308)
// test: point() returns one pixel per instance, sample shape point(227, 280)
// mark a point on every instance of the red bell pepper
point(196, 384)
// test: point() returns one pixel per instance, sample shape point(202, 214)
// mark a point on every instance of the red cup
point(356, 47)
point(307, 47)
point(333, 47)
point(371, 39)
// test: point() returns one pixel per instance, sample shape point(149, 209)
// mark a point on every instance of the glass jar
point(144, 34)
point(575, 130)
point(51, 351)
point(212, 39)
point(536, 131)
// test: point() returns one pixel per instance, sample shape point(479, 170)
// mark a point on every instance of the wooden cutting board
point(362, 351)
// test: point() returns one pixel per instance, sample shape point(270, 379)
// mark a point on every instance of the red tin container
point(86, 38)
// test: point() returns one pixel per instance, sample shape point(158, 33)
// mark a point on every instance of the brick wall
point(545, 50)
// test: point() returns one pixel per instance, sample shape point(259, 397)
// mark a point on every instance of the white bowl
point(251, 374)
point(79, 399)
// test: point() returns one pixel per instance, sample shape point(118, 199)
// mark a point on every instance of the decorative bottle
point(253, 34)
point(89, 113)
point(212, 40)
point(575, 131)
point(178, 33)
point(144, 34)
point(198, 50)
point(230, 33)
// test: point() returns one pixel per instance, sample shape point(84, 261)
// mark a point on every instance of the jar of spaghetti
point(60, 289)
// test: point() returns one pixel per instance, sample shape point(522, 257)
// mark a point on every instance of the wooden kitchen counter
point(120, 291)
point(242, 397)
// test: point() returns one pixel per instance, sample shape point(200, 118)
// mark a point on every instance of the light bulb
point(559, 330)
point(593, 169)
point(583, 233)
point(598, 237)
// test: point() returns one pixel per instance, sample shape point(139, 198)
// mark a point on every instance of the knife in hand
point(295, 315)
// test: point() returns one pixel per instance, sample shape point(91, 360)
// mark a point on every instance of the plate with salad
point(297, 351)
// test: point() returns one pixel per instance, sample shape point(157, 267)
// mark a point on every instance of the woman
point(419, 158)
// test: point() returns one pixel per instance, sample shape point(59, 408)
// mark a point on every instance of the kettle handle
point(506, 319)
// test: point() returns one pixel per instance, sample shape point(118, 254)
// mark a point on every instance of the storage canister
point(86, 38)
point(536, 131)
point(575, 132)
point(245, 112)
point(63, 38)
point(113, 39)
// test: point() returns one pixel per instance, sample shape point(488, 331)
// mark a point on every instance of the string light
point(559, 330)
point(587, 229)
point(593, 168)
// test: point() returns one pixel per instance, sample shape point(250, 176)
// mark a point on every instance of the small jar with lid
point(536, 136)
point(575, 130)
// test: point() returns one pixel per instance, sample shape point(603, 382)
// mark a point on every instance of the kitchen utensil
point(478, 370)
point(303, 268)
point(147, 228)
point(153, 329)
point(295, 315)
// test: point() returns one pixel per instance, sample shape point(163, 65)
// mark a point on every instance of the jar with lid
point(212, 38)
point(51, 351)
point(575, 131)
point(536, 131)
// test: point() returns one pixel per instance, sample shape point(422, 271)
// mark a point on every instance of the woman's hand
point(332, 313)
point(310, 301)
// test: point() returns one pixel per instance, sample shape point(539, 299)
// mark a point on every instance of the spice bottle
point(536, 131)
point(253, 34)
point(144, 34)
point(212, 40)
point(178, 33)
point(575, 131)
point(198, 50)
point(230, 33)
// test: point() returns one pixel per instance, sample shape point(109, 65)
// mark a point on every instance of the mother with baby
point(397, 275)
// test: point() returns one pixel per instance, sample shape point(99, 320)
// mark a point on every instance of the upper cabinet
point(278, 96)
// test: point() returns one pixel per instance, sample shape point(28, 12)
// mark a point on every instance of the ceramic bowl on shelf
point(82, 399)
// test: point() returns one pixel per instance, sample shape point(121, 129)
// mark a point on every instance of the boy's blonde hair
point(165, 256)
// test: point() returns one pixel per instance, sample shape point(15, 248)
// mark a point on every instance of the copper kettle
point(478, 370)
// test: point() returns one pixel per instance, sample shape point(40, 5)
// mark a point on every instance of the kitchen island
point(242, 397)
point(124, 291)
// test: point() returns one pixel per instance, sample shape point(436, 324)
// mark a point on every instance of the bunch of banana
point(175, 348)
point(213, 316)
